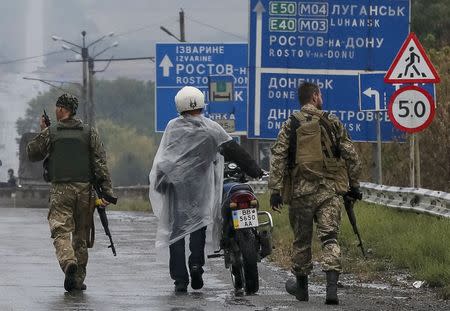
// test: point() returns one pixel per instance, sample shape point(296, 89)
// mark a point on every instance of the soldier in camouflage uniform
point(75, 158)
point(312, 182)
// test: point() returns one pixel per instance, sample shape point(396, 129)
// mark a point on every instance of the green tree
point(430, 22)
point(130, 154)
point(125, 120)
point(126, 101)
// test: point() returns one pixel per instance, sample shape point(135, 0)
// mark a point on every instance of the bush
point(130, 155)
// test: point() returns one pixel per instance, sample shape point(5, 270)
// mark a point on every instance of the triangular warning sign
point(412, 65)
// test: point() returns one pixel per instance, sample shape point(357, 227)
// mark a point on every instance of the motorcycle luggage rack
point(268, 222)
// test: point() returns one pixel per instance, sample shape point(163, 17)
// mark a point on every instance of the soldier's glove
point(354, 193)
point(276, 202)
point(259, 174)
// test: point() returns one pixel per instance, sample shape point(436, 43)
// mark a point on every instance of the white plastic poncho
point(186, 179)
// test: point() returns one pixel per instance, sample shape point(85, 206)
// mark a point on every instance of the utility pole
point(91, 62)
point(87, 64)
point(84, 57)
point(182, 34)
point(91, 91)
point(182, 37)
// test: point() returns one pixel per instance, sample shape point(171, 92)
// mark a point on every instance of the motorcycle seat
point(237, 187)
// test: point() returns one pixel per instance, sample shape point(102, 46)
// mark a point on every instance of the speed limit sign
point(411, 109)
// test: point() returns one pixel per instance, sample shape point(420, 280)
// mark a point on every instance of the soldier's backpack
point(316, 149)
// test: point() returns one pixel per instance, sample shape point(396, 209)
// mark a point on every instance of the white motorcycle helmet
point(189, 98)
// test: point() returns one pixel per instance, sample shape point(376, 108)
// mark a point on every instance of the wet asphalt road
point(137, 279)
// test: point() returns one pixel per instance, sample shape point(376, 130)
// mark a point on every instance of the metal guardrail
point(418, 200)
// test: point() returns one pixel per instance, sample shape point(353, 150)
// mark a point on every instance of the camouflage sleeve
point(279, 158)
point(99, 163)
point(350, 155)
point(39, 147)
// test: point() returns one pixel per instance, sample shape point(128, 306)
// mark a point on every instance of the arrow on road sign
point(373, 93)
point(412, 65)
point(259, 10)
point(166, 64)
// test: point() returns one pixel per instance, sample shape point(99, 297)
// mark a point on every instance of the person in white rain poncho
point(186, 183)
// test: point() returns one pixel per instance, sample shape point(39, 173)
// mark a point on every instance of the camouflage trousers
point(323, 208)
point(70, 219)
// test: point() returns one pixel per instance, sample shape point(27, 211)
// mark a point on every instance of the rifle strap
point(91, 238)
point(292, 150)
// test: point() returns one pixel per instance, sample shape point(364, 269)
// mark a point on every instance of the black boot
point(70, 272)
point(332, 279)
point(196, 276)
point(298, 287)
point(180, 287)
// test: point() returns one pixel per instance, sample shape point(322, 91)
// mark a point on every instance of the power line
point(51, 83)
point(152, 58)
point(131, 31)
point(128, 32)
point(28, 58)
point(216, 28)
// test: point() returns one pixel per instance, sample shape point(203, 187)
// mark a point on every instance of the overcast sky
point(135, 22)
point(26, 28)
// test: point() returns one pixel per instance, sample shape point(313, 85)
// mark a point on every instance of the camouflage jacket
point(39, 147)
point(279, 159)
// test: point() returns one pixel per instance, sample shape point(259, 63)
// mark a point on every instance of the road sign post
point(374, 96)
point(412, 65)
point(412, 109)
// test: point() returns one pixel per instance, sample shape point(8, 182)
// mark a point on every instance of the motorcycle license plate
point(245, 218)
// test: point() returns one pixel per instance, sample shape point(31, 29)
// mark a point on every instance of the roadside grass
point(137, 205)
point(393, 239)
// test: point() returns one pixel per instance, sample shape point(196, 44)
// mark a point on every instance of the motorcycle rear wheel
point(247, 242)
point(237, 273)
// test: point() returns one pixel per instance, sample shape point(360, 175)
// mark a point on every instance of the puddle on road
point(131, 216)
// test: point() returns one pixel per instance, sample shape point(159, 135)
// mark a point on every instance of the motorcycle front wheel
point(247, 242)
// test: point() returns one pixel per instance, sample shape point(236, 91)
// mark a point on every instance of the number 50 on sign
point(411, 109)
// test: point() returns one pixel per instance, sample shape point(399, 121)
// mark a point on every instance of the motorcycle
point(245, 238)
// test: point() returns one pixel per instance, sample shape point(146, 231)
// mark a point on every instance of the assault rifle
point(348, 203)
point(46, 119)
point(45, 173)
point(102, 213)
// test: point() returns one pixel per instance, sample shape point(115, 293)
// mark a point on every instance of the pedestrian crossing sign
point(412, 65)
